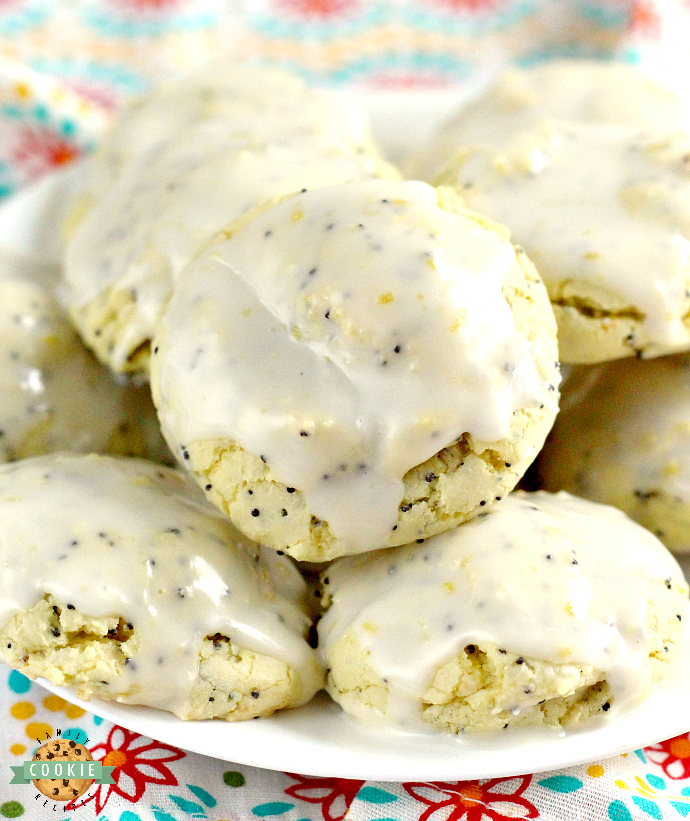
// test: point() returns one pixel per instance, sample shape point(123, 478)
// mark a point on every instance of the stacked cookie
point(602, 154)
point(358, 370)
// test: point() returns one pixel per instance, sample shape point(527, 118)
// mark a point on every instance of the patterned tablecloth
point(65, 66)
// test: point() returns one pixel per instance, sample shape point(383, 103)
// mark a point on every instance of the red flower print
point(469, 5)
point(673, 756)
point(40, 149)
point(334, 794)
point(473, 800)
point(138, 761)
point(147, 5)
point(101, 95)
point(645, 19)
point(317, 8)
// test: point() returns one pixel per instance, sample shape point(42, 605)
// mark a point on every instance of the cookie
point(128, 245)
point(574, 90)
point(604, 213)
point(623, 438)
point(62, 789)
point(357, 366)
point(180, 612)
point(546, 610)
point(54, 395)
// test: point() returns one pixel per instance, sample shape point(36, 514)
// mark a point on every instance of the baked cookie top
point(345, 336)
point(151, 204)
point(604, 213)
point(127, 538)
point(575, 90)
point(623, 438)
point(544, 577)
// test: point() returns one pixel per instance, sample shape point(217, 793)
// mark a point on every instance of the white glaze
point(250, 100)
point(575, 90)
point(125, 537)
point(185, 163)
point(549, 577)
point(347, 335)
point(600, 204)
point(165, 206)
point(53, 394)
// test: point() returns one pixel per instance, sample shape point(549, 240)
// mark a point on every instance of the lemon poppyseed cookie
point(123, 582)
point(53, 394)
point(238, 147)
point(604, 213)
point(546, 610)
point(62, 789)
point(358, 366)
point(623, 438)
point(575, 90)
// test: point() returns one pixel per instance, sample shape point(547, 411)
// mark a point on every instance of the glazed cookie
point(576, 90)
point(545, 610)
point(53, 394)
point(249, 100)
point(128, 244)
point(359, 366)
point(623, 438)
point(604, 213)
point(180, 612)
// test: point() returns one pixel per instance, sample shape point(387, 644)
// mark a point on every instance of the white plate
point(319, 739)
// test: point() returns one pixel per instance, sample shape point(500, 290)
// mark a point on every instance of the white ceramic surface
point(319, 739)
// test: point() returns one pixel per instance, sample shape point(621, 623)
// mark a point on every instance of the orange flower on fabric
point(473, 800)
point(40, 149)
point(673, 756)
point(138, 761)
point(334, 794)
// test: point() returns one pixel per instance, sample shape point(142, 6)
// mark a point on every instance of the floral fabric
point(65, 67)
point(156, 782)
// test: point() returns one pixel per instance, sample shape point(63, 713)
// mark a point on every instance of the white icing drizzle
point(601, 204)
point(125, 537)
point(53, 393)
point(347, 335)
point(575, 90)
point(545, 576)
point(251, 101)
point(201, 154)
point(165, 207)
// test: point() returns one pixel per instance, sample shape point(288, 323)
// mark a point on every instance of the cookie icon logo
point(68, 788)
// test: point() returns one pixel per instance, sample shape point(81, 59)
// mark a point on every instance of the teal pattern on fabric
point(561, 783)
point(133, 28)
point(119, 77)
point(374, 795)
point(291, 27)
point(15, 21)
point(161, 815)
point(202, 795)
point(18, 682)
point(605, 16)
point(190, 807)
point(272, 808)
point(76, 734)
point(648, 807)
point(471, 23)
point(619, 812)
